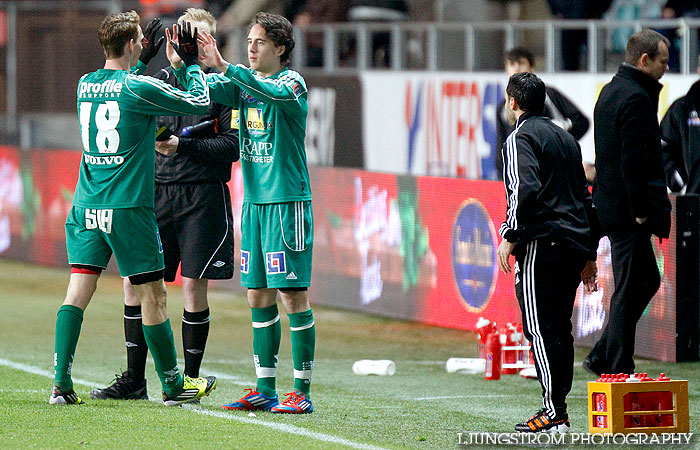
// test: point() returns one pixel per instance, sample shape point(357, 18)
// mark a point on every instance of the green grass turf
point(421, 406)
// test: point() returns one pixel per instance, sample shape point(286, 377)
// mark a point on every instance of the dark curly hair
point(278, 29)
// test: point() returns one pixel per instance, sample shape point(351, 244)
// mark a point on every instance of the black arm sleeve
point(503, 129)
point(220, 149)
point(579, 122)
point(672, 128)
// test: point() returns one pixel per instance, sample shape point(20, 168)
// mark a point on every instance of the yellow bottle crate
point(615, 412)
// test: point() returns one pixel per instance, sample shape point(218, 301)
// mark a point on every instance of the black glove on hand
point(150, 46)
point(186, 47)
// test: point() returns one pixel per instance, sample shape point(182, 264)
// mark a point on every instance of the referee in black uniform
point(547, 228)
point(193, 208)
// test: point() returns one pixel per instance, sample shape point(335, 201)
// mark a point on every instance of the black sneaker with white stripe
point(192, 389)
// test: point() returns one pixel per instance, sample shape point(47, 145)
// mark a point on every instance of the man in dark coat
point(630, 193)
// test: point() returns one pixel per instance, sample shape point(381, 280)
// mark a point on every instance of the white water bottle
point(374, 367)
point(465, 365)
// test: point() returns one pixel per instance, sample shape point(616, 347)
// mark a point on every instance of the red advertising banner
point(424, 249)
point(11, 200)
point(417, 248)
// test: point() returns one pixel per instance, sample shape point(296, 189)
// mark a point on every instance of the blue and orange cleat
point(296, 403)
point(253, 401)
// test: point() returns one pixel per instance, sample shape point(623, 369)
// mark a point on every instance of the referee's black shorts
point(196, 229)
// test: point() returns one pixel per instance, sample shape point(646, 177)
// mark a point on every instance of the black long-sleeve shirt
point(680, 142)
point(206, 156)
point(547, 193)
point(557, 107)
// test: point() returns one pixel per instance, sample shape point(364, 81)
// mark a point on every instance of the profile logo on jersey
point(235, 119)
point(245, 261)
point(276, 263)
point(109, 88)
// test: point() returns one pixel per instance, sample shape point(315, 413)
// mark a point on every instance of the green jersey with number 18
point(117, 112)
point(270, 114)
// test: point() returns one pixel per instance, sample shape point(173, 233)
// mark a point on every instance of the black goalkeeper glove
point(186, 47)
point(150, 46)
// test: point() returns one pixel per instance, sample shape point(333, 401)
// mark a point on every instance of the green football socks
point(69, 320)
point(303, 334)
point(159, 339)
point(267, 334)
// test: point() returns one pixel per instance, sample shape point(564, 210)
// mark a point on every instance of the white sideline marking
point(286, 428)
point(291, 429)
point(441, 397)
point(44, 373)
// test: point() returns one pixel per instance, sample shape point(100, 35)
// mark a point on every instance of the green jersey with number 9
point(117, 112)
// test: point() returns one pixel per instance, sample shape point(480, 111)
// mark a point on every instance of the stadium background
point(402, 173)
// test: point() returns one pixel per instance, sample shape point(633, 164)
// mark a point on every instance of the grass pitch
point(420, 407)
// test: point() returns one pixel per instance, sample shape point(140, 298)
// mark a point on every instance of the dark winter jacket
point(630, 179)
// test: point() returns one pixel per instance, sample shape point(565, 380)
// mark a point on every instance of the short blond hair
point(199, 15)
point(116, 30)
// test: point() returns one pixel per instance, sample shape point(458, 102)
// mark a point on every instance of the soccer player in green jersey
point(276, 219)
point(113, 207)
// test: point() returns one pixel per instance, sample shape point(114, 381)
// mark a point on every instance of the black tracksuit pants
point(636, 281)
point(546, 278)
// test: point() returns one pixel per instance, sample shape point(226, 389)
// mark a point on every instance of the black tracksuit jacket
point(546, 188)
point(680, 142)
point(557, 107)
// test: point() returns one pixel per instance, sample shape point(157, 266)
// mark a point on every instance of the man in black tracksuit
point(680, 142)
point(630, 193)
point(556, 106)
point(195, 222)
point(551, 229)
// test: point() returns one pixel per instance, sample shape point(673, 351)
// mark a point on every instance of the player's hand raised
point(185, 43)
point(149, 44)
point(209, 53)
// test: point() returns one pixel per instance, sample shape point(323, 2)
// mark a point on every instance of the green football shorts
point(92, 235)
point(276, 245)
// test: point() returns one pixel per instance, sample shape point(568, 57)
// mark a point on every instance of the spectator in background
point(318, 12)
point(573, 40)
point(672, 10)
point(379, 11)
point(681, 8)
point(630, 193)
point(680, 142)
point(557, 107)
